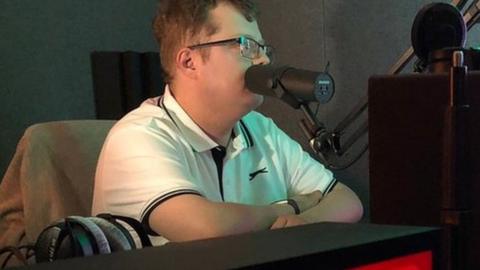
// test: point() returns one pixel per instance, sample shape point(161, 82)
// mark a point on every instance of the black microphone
point(304, 85)
point(436, 26)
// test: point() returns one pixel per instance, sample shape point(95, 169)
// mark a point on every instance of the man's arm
point(306, 174)
point(339, 205)
point(190, 217)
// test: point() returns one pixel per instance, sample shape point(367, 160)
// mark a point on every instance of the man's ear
point(185, 62)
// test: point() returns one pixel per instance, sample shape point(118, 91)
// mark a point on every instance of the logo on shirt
point(254, 174)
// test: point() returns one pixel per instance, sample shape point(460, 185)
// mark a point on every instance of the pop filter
point(437, 26)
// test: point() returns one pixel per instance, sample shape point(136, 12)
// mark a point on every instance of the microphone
point(303, 85)
point(436, 26)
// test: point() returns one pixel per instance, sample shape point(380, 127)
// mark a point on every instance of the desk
point(321, 245)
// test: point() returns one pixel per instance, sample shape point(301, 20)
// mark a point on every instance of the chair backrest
point(51, 175)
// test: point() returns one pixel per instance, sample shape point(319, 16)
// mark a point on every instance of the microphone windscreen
point(437, 26)
point(260, 79)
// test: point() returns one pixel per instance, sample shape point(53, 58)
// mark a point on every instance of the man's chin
point(254, 101)
point(258, 100)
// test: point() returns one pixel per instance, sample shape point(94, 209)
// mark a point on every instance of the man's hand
point(304, 202)
point(307, 201)
point(287, 221)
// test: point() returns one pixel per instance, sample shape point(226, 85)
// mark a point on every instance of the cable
point(17, 252)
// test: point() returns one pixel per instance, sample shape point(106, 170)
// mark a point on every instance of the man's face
point(223, 73)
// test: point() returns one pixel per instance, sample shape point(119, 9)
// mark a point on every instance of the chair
point(50, 176)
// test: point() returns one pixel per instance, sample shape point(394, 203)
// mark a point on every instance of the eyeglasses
point(249, 48)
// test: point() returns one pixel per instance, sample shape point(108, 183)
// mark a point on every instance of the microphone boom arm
point(472, 13)
point(327, 144)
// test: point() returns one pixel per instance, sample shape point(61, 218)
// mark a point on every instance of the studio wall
point(359, 39)
point(45, 64)
point(45, 58)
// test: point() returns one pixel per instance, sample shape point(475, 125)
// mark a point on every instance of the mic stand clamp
point(327, 144)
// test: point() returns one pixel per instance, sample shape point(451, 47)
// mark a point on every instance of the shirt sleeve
point(303, 173)
point(138, 169)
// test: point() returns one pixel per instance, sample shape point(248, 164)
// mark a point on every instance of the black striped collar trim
point(246, 134)
point(161, 104)
point(243, 128)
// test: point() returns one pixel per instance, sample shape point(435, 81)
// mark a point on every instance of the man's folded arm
point(341, 204)
point(190, 217)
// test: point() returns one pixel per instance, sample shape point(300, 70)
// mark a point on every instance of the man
point(198, 162)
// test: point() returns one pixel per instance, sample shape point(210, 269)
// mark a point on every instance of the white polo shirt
point(157, 151)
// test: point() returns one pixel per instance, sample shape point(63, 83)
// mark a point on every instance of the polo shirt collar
point(197, 138)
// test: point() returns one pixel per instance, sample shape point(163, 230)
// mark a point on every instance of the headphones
point(77, 236)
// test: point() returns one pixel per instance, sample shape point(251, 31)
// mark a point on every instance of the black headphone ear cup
point(100, 241)
point(47, 243)
point(74, 240)
point(57, 241)
point(116, 238)
point(67, 246)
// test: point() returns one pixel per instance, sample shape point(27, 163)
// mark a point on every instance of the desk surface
point(326, 245)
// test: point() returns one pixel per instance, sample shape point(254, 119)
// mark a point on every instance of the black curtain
point(122, 80)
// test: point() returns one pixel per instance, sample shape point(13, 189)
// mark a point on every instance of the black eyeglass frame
point(239, 40)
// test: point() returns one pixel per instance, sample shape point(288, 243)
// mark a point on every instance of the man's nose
point(262, 60)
